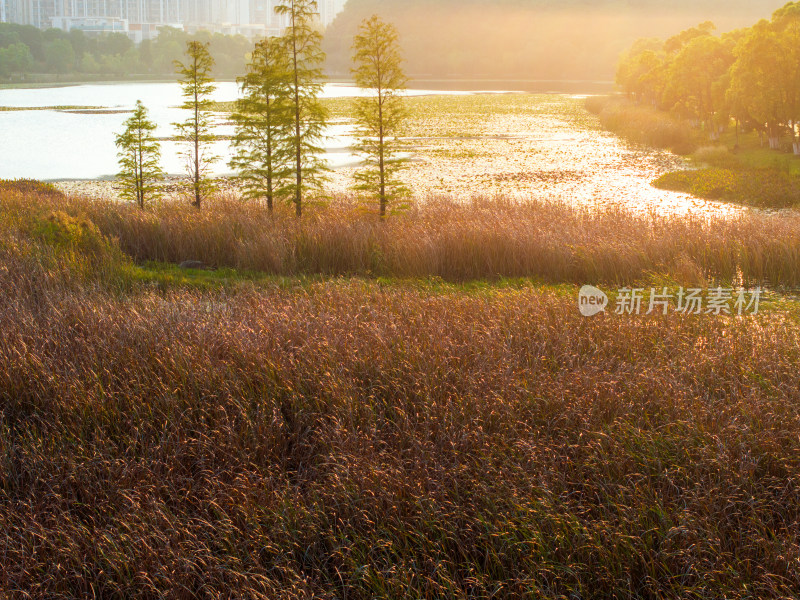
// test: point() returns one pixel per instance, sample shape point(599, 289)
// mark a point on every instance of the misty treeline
point(514, 39)
point(750, 75)
point(26, 50)
point(527, 39)
point(280, 120)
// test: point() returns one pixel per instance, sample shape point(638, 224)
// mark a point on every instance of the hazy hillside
point(529, 39)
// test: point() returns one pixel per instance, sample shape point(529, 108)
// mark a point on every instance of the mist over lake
point(75, 139)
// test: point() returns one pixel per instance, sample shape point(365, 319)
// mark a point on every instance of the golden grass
point(482, 239)
point(643, 124)
point(361, 440)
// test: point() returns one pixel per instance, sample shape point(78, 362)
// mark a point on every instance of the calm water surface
point(550, 153)
point(70, 144)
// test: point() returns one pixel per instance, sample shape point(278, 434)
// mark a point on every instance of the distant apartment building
point(98, 16)
point(141, 19)
point(328, 9)
point(90, 24)
point(227, 16)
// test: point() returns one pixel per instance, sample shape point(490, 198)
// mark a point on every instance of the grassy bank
point(484, 239)
point(643, 124)
point(43, 80)
point(750, 175)
point(761, 188)
point(359, 437)
point(737, 168)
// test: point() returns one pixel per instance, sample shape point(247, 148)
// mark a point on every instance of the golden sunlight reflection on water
point(555, 151)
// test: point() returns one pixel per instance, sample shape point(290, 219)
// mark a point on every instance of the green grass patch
point(169, 276)
point(754, 187)
point(746, 151)
point(66, 107)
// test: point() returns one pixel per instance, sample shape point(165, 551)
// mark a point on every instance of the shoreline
point(172, 187)
point(736, 168)
point(336, 80)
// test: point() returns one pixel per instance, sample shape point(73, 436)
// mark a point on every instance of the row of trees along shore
point(750, 76)
point(31, 54)
point(280, 120)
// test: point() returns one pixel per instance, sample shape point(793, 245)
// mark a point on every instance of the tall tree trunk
point(269, 156)
point(795, 140)
point(140, 171)
point(382, 166)
point(298, 198)
point(196, 141)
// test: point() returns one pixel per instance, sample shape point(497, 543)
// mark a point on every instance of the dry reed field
point(483, 239)
point(643, 124)
point(362, 437)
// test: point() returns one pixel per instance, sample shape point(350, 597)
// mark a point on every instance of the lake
point(75, 144)
point(463, 143)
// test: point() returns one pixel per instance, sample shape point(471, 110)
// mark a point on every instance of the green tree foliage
point(59, 56)
point(15, 59)
point(114, 44)
point(196, 131)
point(146, 54)
point(692, 78)
point(677, 42)
point(786, 22)
point(379, 115)
point(57, 52)
point(302, 44)
point(89, 63)
point(139, 155)
point(263, 145)
point(751, 75)
point(758, 79)
point(642, 71)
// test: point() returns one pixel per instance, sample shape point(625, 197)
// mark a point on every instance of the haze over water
point(79, 144)
point(550, 153)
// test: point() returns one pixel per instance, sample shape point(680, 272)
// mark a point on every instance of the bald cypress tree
point(302, 42)
point(264, 126)
point(139, 155)
point(196, 130)
point(379, 114)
